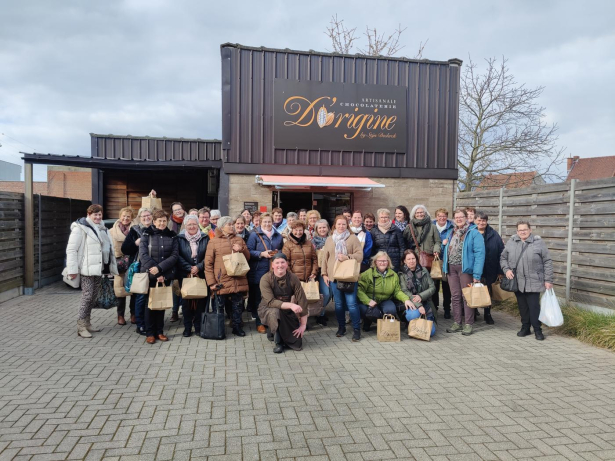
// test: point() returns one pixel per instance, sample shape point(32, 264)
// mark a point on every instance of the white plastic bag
point(550, 312)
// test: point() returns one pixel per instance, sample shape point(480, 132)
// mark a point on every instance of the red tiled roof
point(508, 181)
point(593, 168)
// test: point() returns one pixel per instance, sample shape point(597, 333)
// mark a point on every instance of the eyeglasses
point(383, 262)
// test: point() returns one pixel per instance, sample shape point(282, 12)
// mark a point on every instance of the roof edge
point(164, 138)
point(450, 62)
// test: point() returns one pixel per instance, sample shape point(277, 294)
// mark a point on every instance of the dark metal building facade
point(247, 113)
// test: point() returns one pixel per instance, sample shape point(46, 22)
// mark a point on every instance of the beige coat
point(117, 237)
point(353, 248)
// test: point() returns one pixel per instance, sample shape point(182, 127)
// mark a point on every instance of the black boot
point(524, 331)
point(367, 325)
point(447, 313)
point(321, 321)
point(187, 332)
point(269, 335)
point(356, 336)
point(489, 319)
point(237, 331)
point(539, 335)
point(279, 345)
point(341, 331)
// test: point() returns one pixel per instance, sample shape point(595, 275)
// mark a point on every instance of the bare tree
point(341, 37)
point(502, 128)
point(382, 44)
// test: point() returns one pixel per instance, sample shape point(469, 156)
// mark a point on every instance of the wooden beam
point(28, 231)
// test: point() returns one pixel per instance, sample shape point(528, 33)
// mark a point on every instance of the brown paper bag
point(194, 288)
point(153, 203)
point(420, 328)
point(499, 294)
point(160, 297)
point(436, 269)
point(236, 264)
point(312, 293)
point(118, 286)
point(477, 295)
point(346, 271)
point(140, 284)
point(389, 329)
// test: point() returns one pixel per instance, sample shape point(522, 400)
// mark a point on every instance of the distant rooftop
point(585, 169)
point(510, 180)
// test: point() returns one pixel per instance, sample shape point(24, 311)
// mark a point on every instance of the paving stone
point(488, 396)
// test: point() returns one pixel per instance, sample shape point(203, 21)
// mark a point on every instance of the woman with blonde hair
point(388, 238)
point(119, 232)
point(311, 218)
point(342, 246)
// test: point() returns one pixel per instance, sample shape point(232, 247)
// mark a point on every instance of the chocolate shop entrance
point(328, 204)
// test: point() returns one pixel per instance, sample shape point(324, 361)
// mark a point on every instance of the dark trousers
point(237, 306)
point(446, 292)
point(121, 305)
point(154, 321)
point(529, 308)
point(193, 313)
point(254, 299)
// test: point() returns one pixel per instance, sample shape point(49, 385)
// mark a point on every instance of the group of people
point(394, 252)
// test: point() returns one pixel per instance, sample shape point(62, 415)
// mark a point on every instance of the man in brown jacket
point(283, 308)
point(222, 284)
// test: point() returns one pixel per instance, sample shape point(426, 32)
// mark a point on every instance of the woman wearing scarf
point(417, 284)
point(321, 234)
point(402, 218)
point(342, 245)
point(89, 253)
point(262, 244)
point(388, 238)
point(118, 233)
point(464, 258)
point(192, 245)
point(426, 235)
point(312, 217)
point(303, 262)
point(364, 236)
point(283, 305)
point(240, 227)
point(379, 286)
point(130, 247)
point(228, 287)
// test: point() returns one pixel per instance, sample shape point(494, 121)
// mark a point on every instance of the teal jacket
point(473, 255)
point(386, 287)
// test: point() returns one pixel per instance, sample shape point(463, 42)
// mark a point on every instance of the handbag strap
point(414, 237)
point(523, 248)
point(260, 237)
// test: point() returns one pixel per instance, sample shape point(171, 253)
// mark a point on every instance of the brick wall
point(433, 193)
point(60, 183)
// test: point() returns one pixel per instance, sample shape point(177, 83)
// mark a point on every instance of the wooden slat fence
point(52, 219)
point(547, 207)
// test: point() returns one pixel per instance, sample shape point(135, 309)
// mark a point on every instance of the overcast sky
point(152, 67)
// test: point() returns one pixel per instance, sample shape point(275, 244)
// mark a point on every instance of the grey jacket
point(536, 266)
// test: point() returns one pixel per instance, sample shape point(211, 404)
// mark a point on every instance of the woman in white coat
point(89, 253)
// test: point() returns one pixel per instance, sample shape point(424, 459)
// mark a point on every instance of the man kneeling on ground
point(283, 307)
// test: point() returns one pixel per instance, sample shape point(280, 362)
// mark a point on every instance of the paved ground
point(488, 396)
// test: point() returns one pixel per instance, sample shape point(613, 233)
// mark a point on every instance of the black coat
point(493, 250)
point(128, 246)
point(186, 261)
point(392, 243)
point(164, 253)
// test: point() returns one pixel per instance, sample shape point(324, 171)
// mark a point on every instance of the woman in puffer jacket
point(89, 253)
point(388, 238)
point(192, 245)
point(158, 253)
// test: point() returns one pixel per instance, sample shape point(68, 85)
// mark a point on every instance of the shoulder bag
point(511, 284)
point(212, 323)
point(425, 259)
point(374, 313)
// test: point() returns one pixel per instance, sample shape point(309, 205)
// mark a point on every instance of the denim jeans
point(177, 301)
point(140, 306)
point(325, 291)
point(346, 302)
point(387, 307)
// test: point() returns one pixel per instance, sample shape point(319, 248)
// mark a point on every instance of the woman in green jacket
point(379, 287)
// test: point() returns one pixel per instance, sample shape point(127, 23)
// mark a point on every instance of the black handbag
point(511, 285)
point(345, 287)
point(106, 296)
point(212, 323)
point(374, 313)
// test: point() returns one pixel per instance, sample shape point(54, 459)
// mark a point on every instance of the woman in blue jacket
point(263, 243)
point(464, 258)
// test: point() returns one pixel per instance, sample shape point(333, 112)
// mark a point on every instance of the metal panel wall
point(154, 149)
point(247, 106)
